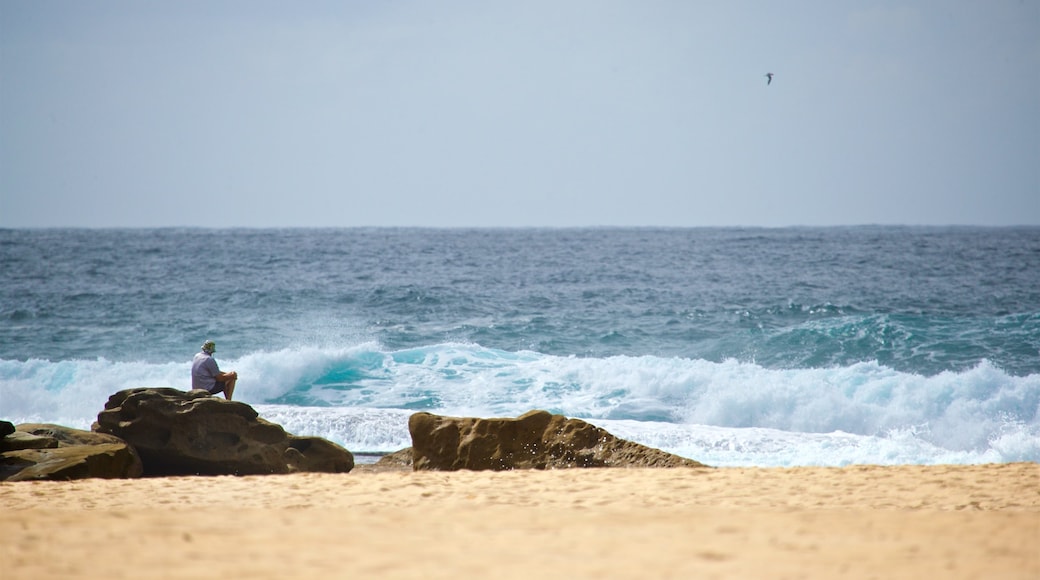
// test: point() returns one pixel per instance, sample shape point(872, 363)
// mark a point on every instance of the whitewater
point(734, 347)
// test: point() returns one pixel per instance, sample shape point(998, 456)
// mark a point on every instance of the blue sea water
point(732, 346)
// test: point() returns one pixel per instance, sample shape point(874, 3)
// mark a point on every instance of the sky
point(558, 113)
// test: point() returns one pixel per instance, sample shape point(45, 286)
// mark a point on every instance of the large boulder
point(41, 451)
point(535, 440)
point(185, 433)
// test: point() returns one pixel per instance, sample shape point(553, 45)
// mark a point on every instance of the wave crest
point(357, 394)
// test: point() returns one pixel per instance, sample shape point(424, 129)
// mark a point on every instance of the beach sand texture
point(968, 521)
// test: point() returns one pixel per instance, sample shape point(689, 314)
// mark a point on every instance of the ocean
point(731, 346)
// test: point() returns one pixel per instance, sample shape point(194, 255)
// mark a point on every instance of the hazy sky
point(523, 113)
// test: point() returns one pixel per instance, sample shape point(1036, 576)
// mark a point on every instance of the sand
point(979, 521)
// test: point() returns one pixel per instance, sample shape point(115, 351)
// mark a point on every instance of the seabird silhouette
point(769, 78)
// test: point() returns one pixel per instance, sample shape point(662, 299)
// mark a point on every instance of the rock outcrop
point(66, 436)
point(19, 440)
point(398, 460)
point(179, 433)
point(535, 440)
point(53, 452)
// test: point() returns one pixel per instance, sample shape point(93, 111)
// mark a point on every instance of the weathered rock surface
point(41, 451)
point(179, 433)
point(317, 454)
point(109, 460)
point(21, 440)
point(535, 440)
point(398, 460)
point(67, 435)
point(402, 457)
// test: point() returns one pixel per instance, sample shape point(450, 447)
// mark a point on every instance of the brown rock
point(109, 460)
point(21, 440)
point(43, 451)
point(179, 433)
point(398, 461)
point(317, 454)
point(401, 458)
point(535, 440)
point(67, 435)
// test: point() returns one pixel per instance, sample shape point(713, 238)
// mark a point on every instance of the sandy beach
point(977, 521)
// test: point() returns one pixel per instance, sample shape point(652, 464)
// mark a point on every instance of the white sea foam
point(386, 430)
point(728, 413)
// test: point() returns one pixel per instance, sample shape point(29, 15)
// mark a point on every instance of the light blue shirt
point(204, 372)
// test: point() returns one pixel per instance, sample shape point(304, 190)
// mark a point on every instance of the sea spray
point(361, 397)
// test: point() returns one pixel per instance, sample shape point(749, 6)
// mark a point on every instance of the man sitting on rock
point(206, 375)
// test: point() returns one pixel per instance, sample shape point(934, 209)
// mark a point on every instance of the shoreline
point(960, 521)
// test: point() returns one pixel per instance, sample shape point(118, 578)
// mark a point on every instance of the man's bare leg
point(229, 388)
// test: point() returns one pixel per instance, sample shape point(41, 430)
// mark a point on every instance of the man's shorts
point(218, 387)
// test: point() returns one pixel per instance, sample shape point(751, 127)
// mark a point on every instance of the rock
point(6, 428)
point(109, 460)
point(535, 440)
point(402, 458)
point(185, 433)
point(67, 435)
point(397, 461)
point(11, 464)
point(40, 451)
point(317, 454)
point(21, 440)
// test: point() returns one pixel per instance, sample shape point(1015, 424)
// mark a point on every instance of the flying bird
point(769, 78)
